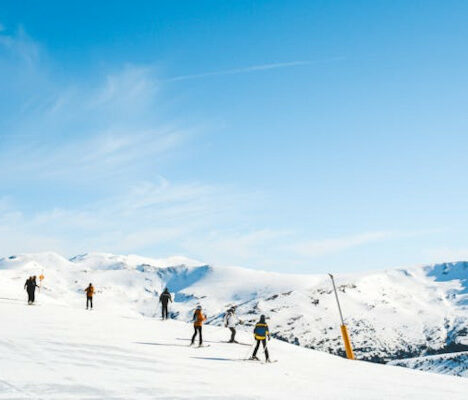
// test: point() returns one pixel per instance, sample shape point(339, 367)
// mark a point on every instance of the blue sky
point(294, 136)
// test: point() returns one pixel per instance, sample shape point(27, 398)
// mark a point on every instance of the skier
point(231, 321)
point(89, 296)
point(30, 287)
point(198, 318)
point(26, 283)
point(164, 299)
point(261, 333)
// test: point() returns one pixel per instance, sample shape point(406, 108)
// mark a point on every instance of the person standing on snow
point(26, 284)
point(231, 321)
point(30, 287)
point(164, 299)
point(89, 296)
point(198, 319)
point(261, 333)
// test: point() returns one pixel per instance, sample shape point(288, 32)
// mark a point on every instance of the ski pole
point(249, 351)
point(265, 350)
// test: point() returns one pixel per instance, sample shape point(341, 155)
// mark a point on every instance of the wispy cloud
point(316, 248)
point(106, 156)
point(19, 44)
point(248, 248)
point(445, 254)
point(149, 217)
point(82, 132)
point(252, 68)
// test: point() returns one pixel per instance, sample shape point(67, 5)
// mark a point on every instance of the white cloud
point(315, 248)
point(165, 218)
point(147, 216)
point(85, 133)
point(20, 45)
point(445, 254)
point(104, 155)
point(130, 87)
point(245, 248)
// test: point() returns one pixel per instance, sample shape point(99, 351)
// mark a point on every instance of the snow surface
point(392, 314)
point(58, 351)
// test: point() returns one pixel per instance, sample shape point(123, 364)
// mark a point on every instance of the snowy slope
point(56, 351)
point(450, 364)
point(392, 314)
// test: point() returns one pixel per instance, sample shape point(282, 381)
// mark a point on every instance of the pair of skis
point(259, 361)
point(235, 342)
point(239, 359)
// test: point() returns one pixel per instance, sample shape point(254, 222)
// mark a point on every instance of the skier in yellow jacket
point(261, 334)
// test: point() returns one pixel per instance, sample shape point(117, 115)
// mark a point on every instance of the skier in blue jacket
point(261, 333)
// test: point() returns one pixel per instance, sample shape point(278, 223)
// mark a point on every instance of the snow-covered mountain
point(392, 314)
point(450, 363)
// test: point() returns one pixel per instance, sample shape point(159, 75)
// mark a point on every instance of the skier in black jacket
point(164, 299)
point(30, 287)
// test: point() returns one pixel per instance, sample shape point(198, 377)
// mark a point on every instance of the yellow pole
point(347, 342)
point(344, 330)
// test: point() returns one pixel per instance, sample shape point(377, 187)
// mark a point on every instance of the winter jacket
point(231, 320)
point(198, 318)
point(261, 331)
point(30, 285)
point(89, 291)
point(165, 297)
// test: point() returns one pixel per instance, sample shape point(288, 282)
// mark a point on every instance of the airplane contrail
point(252, 68)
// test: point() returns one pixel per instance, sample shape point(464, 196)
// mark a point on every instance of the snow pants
point(89, 301)
point(233, 334)
point(31, 295)
point(264, 348)
point(199, 331)
point(165, 312)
